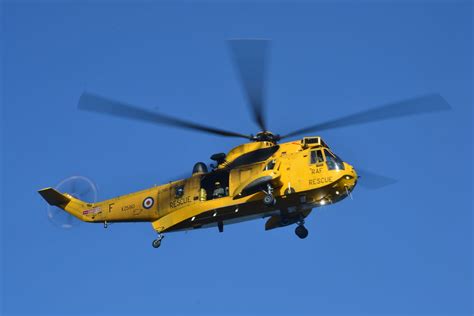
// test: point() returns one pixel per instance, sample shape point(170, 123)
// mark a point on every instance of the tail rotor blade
point(78, 186)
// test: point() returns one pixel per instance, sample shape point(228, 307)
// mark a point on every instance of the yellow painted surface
point(299, 184)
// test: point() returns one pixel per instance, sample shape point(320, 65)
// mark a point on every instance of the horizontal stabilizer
point(53, 197)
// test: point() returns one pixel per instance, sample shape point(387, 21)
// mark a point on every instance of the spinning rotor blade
point(370, 180)
point(95, 103)
point(424, 104)
point(250, 57)
point(78, 186)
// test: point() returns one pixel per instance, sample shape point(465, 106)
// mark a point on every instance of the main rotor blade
point(95, 103)
point(424, 104)
point(250, 58)
point(370, 180)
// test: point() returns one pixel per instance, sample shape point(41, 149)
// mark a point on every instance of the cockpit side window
point(317, 156)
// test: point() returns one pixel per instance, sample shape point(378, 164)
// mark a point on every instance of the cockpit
point(320, 153)
point(323, 155)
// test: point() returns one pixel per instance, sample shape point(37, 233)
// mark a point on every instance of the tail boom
point(84, 211)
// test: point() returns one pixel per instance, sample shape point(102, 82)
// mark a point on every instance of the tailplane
point(54, 198)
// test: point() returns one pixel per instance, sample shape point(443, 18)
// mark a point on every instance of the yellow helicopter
point(262, 178)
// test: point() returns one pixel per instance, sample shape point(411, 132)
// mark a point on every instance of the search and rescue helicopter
point(262, 178)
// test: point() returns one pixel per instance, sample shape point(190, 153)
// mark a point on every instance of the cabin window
point(333, 162)
point(317, 156)
point(179, 191)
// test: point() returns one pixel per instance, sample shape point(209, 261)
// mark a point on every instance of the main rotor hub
point(266, 136)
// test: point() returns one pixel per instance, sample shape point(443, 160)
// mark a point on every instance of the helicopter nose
point(350, 169)
point(354, 174)
point(351, 177)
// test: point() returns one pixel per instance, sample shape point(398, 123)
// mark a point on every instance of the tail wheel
point(156, 243)
point(79, 187)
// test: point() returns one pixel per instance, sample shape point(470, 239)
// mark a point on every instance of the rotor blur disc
point(79, 187)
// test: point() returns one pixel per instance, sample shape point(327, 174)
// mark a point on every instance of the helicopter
point(264, 177)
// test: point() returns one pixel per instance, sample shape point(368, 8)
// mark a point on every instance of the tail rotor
point(79, 187)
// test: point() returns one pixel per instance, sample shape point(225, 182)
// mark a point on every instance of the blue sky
point(403, 249)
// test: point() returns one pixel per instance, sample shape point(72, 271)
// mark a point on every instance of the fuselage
point(301, 175)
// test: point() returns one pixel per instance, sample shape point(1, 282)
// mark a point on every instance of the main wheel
point(269, 200)
point(301, 232)
point(156, 243)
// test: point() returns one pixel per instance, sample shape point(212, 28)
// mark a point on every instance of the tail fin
point(87, 212)
point(54, 198)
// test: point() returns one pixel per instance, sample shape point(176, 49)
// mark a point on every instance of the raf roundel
point(148, 202)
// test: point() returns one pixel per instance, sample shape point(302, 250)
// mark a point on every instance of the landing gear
point(301, 231)
point(269, 199)
point(157, 242)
